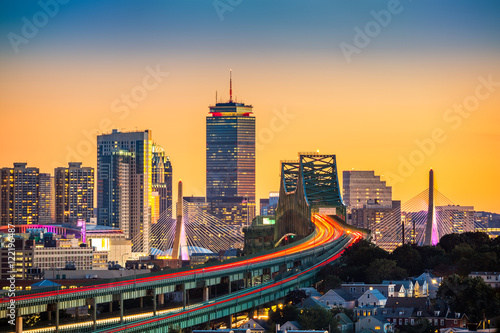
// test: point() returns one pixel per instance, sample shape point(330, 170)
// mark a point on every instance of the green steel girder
point(320, 180)
point(290, 175)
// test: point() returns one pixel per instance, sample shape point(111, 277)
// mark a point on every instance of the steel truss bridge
point(266, 276)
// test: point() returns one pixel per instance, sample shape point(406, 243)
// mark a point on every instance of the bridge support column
point(77, 312)
point(141, 302)
point(206, 293)
point(229, 321)
point(57, 317)
point(229, 287)
point(94, 314)
point(161, 299)
point(111, 307)
point(184, 295)
point(155, 305)
point(19, 324)
point(121, 308)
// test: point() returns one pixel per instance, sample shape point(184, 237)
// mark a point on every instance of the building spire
point(230, 86)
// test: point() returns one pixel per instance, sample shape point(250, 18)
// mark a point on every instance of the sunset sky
point(420, 91)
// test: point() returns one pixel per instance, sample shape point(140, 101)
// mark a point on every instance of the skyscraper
point(124, 184)
point(74, 193)
point(19, 194)
point(162, 179)
point(363, 187)
point(231, 161)
point(46, 199)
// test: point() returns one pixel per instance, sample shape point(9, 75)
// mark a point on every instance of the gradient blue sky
point(284, 55)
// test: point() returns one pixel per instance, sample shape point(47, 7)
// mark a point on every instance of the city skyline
point(393, 101)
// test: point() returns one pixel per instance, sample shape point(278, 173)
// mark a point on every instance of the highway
point(327, 230)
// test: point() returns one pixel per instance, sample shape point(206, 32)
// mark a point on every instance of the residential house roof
point(406, 283)
point(416, 302)
point(311, 303)
point(343, 318)
point(347, 296)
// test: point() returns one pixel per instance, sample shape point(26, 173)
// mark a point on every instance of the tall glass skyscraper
point(231, 162)
point(124, 184)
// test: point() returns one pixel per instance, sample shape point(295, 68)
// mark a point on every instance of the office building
point(46, 199)
point(230, 154)
point(268, 205)
point(456, 219)
point(360, 187)
point(162, 179)
point(19, 194)
point(74, 193)
point(124, 184)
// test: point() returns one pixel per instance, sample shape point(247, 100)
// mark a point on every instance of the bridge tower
point(308, 185)
point(431, 233)
point(179, 250)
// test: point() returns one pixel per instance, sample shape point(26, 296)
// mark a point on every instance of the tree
point(318, 318)
point(281, 316)
point(471, 296)
point(408, 257)
point(384, 269)
point(295, 296)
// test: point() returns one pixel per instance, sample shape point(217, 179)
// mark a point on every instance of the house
point(367, 310)
point(345, 323)
point(357, 289)
point(433, 283)
point(400, 316)
point(254, 325)
point(419, 288)
point(407, 284)
point(421, 303)
point(372, 297)
point(491, 278)
point(399, 290)
point(338, 298)
point(311, 302)
point(311, 292)
point(377, 324)
point(290, 325)
point(420, 312)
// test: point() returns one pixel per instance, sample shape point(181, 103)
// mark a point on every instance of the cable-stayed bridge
point(408, 223)
point(201, 230)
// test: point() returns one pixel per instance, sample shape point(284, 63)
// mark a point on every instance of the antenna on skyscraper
point(230, 86)
point(216, 97)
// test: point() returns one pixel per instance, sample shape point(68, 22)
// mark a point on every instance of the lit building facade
point(162, 179)
point(74, 193)
point(363, 186)
point(124, 184)
point(268, 205)
point(23, 258)
point(19, 194)
point(457, 219)
point(230, 154)
point(46, 199)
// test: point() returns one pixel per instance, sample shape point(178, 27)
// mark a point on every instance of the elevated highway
point(310, 206)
